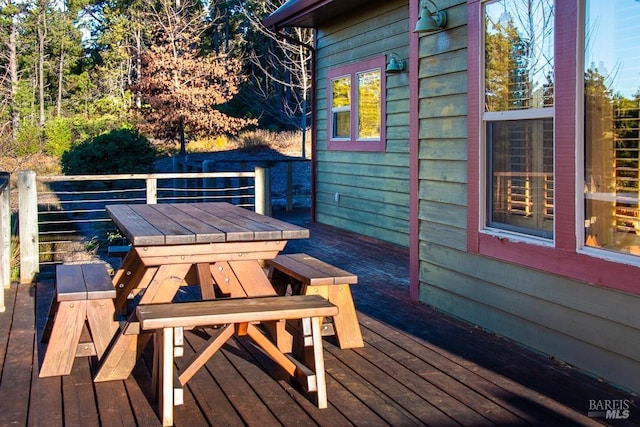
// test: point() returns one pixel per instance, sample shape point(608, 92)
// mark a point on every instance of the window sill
point(589, 265)
point(367, 146)
point(515, 237)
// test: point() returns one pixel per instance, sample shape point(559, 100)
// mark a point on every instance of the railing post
point(208, 183)
point(152, 191)
point(5, 236)
point(263, 191)
point(28, 224)
point(289, 186)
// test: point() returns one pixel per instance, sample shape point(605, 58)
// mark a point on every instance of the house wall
point(373, 186)
point(594, 328)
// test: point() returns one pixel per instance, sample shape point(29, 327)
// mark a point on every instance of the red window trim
point(353, 144)
point(563, 258)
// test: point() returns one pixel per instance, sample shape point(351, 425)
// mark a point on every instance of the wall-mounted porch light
point(430, 21)
point(396, 64)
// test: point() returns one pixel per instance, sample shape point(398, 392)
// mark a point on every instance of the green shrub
point(57, 134)
point(84, 128)
point(27, 140)
point(116, 152)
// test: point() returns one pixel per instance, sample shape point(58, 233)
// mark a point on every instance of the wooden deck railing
point(5, 237)
point(61, 212)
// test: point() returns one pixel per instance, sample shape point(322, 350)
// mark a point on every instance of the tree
point(40, 61)
point(188, 67)
point(182, 86)
point(279, 69)
point(118, 34)
point(9, 15)
point(41, 31)
point(65, 47)
point(518, 63)
point(506, 74)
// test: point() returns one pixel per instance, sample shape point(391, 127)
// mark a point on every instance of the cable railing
point(63, 218)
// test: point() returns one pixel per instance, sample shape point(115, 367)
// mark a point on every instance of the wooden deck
point(418, 367)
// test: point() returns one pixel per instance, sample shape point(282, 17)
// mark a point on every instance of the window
point(356, 118)
point(341, 108)
point(566, 123)
point(518, 116)
point(612, 125)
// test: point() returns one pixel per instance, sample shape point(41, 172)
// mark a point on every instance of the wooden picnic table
point(218, 246)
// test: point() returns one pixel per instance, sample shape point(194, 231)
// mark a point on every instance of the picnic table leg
point(205, 280)
point(121, 357)
point(164, 349)
point(204, 354)
point(226, 280)
point(346, 324)
point(252, 278)
point(126, 279)
point(316, 326)
point(296, 369)
point(64, 339)
point(103, 327)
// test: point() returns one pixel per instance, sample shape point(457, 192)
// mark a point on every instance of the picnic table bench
point(239, 315)
point(310, 276)
point(81, 318)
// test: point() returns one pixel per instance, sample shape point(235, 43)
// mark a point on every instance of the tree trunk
point(138, 37)
point(42, 34)
point(183, 144)
point(303, 127)
point(13, 75)
point(60, 82)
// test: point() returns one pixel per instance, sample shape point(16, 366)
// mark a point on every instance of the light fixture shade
point(430, 21)
point(396, 65)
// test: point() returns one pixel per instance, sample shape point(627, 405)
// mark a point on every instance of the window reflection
point(369, 109)
point(519, 90)
point(341, 107)
point(518, 55)
point(612, 125)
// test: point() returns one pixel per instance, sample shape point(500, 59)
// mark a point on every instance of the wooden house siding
point(525, 292)
point(593, 328)
point(373, 187)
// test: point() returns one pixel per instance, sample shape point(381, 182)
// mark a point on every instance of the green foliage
point(84, 128)
point(27, 140)
point(58, 135)
point(89, 80)
point(24, 101)
point(119, 151)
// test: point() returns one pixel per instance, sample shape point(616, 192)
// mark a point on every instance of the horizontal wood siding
point(373, 187)
point(592, 328)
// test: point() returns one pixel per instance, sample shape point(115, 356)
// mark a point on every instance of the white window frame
point(496, 116)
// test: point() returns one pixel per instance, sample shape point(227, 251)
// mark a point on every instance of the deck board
point(5, 326)
point(211, 397)
point(79, 396)
point(418, 367)
point(18, 360)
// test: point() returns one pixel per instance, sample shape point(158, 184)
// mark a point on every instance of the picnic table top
point(188, 223)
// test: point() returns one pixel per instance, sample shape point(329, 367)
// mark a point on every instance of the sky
point(612, 40)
